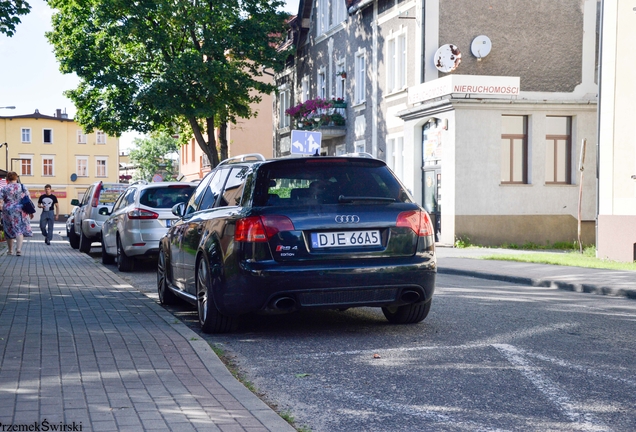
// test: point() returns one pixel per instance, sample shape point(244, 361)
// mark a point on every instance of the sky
point(30, 78)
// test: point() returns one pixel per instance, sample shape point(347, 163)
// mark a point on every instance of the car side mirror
point(104, 211)
point(178, 209)
point(75, 202)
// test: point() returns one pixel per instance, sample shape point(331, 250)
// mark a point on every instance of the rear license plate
point(168, 223)
point(345, 239)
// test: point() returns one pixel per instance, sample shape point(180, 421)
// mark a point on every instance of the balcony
point(326, 116)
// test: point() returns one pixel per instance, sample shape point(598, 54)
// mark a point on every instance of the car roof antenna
point(316, 154)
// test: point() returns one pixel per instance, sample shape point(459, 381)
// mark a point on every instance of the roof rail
point(243, 158)
point(360, 154)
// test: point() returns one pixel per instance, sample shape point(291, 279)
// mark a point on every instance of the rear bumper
point(274, 288)
point(92, 229)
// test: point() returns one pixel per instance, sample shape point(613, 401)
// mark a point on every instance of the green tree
point(183, 66)
point(151, 156)
point(9, 12)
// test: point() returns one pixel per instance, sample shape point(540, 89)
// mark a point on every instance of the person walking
point(50, 212)
point(16, 222)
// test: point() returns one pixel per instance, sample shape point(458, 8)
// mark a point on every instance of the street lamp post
point(6, 145)
point(6, 148)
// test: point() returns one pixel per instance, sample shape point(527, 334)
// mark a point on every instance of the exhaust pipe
point(284, 303)
point(410, 296)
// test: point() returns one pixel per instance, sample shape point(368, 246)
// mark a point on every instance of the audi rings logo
point(347, 219)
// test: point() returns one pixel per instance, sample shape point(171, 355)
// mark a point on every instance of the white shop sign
point(471, 84)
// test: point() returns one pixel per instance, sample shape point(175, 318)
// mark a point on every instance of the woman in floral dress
point(16, 223)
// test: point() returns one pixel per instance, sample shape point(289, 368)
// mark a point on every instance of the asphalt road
point(491, 356)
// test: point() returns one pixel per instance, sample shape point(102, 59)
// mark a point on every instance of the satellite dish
point(73, 177)
point(481, 46)
point(447, 58)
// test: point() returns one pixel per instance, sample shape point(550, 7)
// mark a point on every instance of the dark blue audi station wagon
point(289, 234)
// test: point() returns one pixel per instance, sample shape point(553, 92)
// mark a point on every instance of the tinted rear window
point(165, 197)
point(325, 183)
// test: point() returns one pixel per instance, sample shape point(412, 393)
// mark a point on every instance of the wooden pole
point(581, 168)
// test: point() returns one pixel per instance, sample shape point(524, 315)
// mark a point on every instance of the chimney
point(58, 113)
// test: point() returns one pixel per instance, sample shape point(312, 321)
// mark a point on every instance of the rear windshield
point(328, 182)
point(109, 193)
point(166, 197)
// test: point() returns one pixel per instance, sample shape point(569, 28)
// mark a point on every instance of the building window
point(47, 136)
point(81, 137)
point(205, 161)
point(514, 149)
point(100, 167)
point(340, 79)
point(322, 84)
point(26, 135)
point(81, 164)
point(47, 166)
point(396, 62)
point(26, 165)
point(558, 150)
point(360, 77)
point(330, 14)
point(360, 146)
point(304, 89)
point(284, 103)
point(395, 155)
point(100, 137)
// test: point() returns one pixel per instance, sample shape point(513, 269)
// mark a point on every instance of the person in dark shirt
point(50, 211)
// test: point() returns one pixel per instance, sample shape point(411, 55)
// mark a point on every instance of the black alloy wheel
point(210, 319)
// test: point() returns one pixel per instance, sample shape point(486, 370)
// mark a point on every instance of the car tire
point(84, 243)
point(106, 259)
point(124, 262)
point(407, 314)
point(166, 296)
point(73, 239)
point(210, 319)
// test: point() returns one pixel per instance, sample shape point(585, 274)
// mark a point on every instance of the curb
point(548, 283)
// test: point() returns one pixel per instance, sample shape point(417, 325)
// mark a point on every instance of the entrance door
point(432, 188)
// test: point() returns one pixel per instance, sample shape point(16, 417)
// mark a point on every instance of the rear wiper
point(344, 199)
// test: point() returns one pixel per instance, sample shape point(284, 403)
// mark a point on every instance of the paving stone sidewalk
point(82, 349)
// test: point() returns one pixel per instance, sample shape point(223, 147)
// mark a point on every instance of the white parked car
point(139, 218)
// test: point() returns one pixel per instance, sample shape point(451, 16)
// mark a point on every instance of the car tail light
point(418, 220)
point(98, 189)
point(142, 214)
point(261, 228)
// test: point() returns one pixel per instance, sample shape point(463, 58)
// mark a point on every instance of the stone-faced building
point(479, 107)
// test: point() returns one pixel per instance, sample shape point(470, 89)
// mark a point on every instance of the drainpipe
point(361, 5)
point(598, 123)
point(423, 27)
point(374, 94)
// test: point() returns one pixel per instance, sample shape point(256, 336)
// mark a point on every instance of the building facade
point(53, 149)
point(245, 136)
point(488, 142)
point(617, 141)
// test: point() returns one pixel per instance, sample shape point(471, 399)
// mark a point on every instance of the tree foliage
point(9, 15)
point(176, 65)
point(151, 156)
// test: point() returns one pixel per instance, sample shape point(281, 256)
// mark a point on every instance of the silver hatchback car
point(139, 218)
